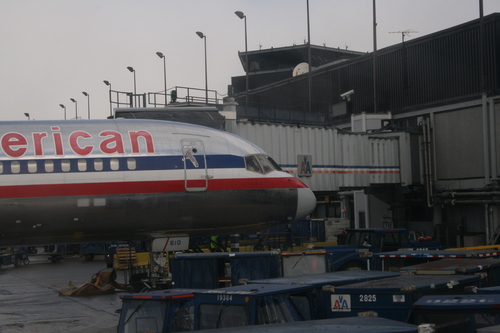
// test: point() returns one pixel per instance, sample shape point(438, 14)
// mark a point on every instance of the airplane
point(80, 181)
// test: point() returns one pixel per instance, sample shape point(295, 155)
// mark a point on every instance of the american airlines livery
point(102, 180)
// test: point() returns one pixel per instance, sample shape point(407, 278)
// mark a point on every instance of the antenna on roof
point(404, 33)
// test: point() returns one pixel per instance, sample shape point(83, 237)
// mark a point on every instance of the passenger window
point(82, 165)
point(100, 202)
point(32, 166)
point(114, 164)
point(252, 164)
point(49, 166)
point(98, 165)
point(1, 167)
point(15, 167)
point(65, 165)
point(131, 165)
point(265, 163)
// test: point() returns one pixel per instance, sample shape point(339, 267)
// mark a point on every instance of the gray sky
point(52, 50)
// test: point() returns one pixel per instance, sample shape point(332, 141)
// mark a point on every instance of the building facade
point(436, 97)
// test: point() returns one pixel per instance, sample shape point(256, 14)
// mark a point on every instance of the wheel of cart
point(24, 258)
point(55, 258)
point(17, 261)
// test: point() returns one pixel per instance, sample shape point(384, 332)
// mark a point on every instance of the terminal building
point(407, 136)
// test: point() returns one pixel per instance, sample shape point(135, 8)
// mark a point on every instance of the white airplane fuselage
point(103, 180)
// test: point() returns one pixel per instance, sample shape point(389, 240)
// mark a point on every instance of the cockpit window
point(252, 164)
point(261, 164)
point(266, 166)
point(274, 164)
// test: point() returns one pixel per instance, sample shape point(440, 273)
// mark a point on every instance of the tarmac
point(30, 299)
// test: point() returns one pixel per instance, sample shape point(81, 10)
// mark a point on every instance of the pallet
point(126, 256)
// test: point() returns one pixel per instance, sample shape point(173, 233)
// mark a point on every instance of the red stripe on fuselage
point(114, 188)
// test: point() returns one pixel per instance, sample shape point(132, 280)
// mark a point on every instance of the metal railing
point(178, 94)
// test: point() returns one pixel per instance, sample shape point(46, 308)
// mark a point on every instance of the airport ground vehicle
point(222, 269)
point(192, 309)
point(361, 246)
point(14, 257)
point(90, 250)
point(389, 295)
point(489, 269)
point(254, 304)
point(158, 311)
point(459, 313)
point(407, 257)
point(393, 297)
point(323, 284)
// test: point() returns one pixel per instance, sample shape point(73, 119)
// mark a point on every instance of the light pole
point(202, 36)
point(76, 107)
point(64, 107)
point(27, 115)
point(110, 104)
point(88, 102)
point(159, 54)
point(243, 16)
point(132, 70)
point(309, 74)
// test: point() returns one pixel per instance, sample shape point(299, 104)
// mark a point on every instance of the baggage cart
point(394, 297)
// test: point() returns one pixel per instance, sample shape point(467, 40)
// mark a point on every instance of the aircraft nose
point(306, 202)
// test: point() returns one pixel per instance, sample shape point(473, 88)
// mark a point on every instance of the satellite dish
point(301, 68)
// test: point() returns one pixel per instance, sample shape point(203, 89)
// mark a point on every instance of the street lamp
point(243, 16)
point(64, 107)
point(88, 102)
point(110, 104)
point(132, 70)
point(76, 107)
point(159, 54)
point(202, 36)
point(27, 115)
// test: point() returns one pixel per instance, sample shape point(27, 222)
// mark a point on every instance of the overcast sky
point(52, 50)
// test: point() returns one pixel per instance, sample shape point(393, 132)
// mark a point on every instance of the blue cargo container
point(253, 304)
point(490, 268)
point(458, 313)
point(322, 284)
point(221, 269)
point(397, 259)
point(393, 298)
point(488, 290)
point(162, 311)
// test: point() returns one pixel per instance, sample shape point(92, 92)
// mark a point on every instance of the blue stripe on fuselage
point(142, 163)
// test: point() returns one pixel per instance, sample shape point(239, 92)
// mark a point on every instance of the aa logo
point(341, 303)
point(304, 165)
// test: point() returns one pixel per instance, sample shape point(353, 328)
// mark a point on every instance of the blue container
point(393, 298)
point(402, 258)
point(213, 270)
point(490, 269)
point(252, 304)
point(158, 311)
point(458, 313)
point(323, 283)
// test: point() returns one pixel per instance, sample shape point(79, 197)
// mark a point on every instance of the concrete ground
point(30, 299)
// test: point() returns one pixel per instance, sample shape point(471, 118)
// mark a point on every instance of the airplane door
point(195, 165)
